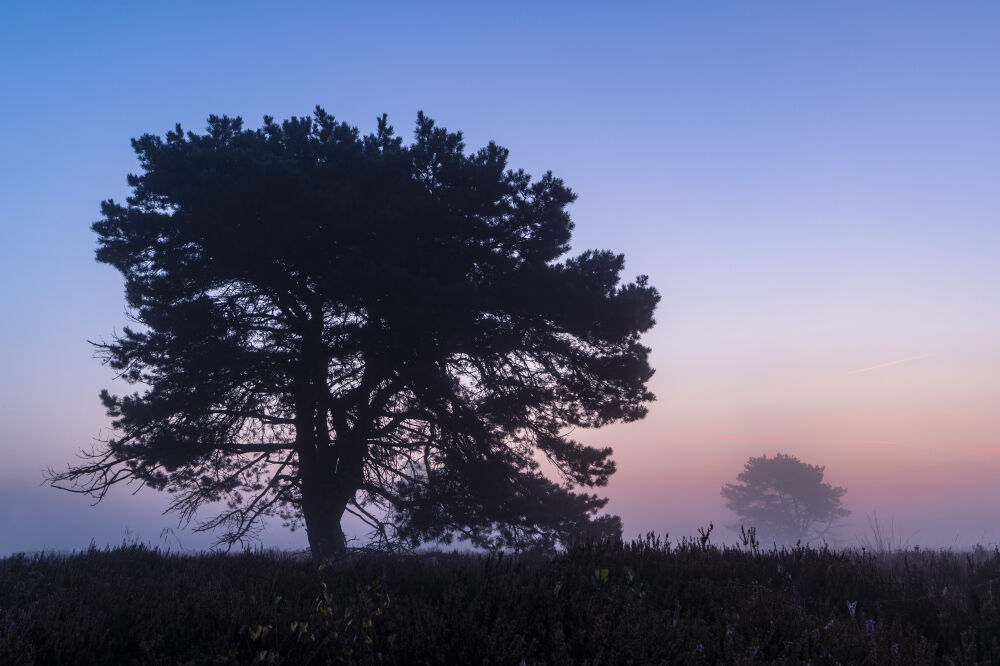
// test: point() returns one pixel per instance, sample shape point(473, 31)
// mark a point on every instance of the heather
point(647, 601)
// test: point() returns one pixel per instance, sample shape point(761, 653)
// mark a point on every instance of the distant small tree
point(785, 499)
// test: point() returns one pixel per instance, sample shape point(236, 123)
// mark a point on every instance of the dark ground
point(643, 602)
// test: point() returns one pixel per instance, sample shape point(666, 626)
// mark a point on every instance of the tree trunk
point(322, 513)
point(322, 506)
point(330, 473)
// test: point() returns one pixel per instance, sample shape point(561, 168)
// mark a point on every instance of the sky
point(812, 187)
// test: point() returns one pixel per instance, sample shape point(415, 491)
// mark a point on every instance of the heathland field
point(648, 601)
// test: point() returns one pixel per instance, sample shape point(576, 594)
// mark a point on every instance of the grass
point(882, 539)
point(645, 602)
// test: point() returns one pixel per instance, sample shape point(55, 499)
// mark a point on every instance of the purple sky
point(813, 187)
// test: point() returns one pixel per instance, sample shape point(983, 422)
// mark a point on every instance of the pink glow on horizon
point(886, 365)
point(744, 438)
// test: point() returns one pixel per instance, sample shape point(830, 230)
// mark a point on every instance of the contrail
point(886, 365)
point(993, 449)
point(884, 442)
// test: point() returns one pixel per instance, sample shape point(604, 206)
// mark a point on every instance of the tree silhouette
point(605, 528)
point(785, 499)
point(331, 324)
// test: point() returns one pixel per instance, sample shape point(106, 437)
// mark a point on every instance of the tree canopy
point(785, 499)
point(331, 323)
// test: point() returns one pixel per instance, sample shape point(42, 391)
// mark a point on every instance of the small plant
point(882, 539)
point(704, 535)
point(748, 537)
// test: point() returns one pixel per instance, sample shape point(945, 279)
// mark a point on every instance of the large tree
point(785, 499)
point(331, 323)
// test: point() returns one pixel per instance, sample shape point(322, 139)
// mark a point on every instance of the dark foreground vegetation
point(645, 602)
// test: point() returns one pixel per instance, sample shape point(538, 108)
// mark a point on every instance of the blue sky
point(812, 187)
